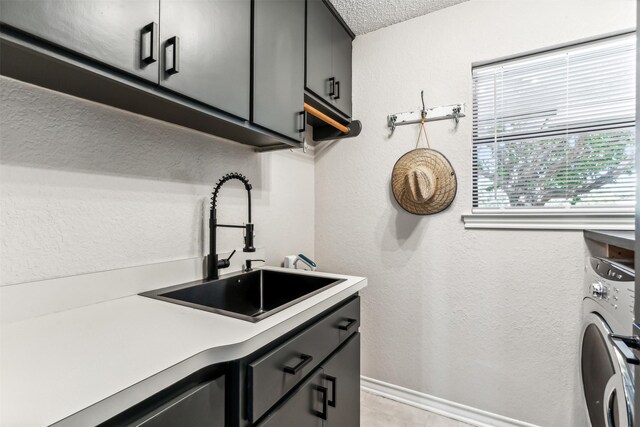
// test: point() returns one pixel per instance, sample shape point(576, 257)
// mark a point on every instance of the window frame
point(611, 218)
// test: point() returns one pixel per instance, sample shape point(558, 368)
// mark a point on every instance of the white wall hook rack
point(454, 111)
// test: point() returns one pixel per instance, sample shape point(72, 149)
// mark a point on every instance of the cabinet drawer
point(271, 376)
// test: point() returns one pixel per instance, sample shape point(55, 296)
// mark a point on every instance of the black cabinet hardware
point(322, 414)
point(149, 43)
point(350, 323)
point(302, 117)
point(333, 380)
point(172, 58)
point(332, 86)
point(306, 359)
point(337, 94)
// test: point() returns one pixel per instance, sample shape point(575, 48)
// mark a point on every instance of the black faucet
point(214, 264)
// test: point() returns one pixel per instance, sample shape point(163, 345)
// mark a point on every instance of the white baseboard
point(457, 411)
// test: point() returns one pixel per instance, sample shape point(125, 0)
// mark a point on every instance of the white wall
point(489, 319)
point(88, 188)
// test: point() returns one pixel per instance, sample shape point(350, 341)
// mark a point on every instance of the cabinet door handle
point(302, 116)
point(337, 95)
point(172, 59)
point(350, 323)
point(306, 359)
point(333, 380)
point(332, 86)
point(322, 414)
point(149, 43)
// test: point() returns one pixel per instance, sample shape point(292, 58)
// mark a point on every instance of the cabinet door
point(305, 408)
point(119, 33)
point(342, 68)
point(202, 406)
point(341, 377)
point(278, 79)
point(211, 50)
point(320, 22)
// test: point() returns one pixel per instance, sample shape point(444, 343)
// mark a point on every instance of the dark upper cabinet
point(205, 51)
point(278, 66)
point(200, 51)
point(328, 57)
point(119, 33)
point(341, 54)
point(320, 21)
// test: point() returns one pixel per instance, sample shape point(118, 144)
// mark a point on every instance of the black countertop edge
point(621, 238)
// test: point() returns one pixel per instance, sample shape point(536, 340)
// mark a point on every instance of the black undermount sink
point(249, 296)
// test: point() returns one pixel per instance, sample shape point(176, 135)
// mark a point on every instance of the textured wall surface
point(364, 16)
point(88, 188)
point(486, 318)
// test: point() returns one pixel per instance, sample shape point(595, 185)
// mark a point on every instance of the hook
point(456, 114)
point(424, 110)
point(391, 122)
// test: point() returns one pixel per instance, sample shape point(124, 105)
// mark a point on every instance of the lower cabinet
point(203, 405)
point(341, 377)
point(306, 408)
point(193, 402)
point(310, 377)
point(329, 398)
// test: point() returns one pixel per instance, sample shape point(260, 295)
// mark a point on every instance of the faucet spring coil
point(225, 178)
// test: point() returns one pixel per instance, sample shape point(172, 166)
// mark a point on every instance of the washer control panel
point(611, 283)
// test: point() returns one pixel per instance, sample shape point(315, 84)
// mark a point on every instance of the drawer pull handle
point(333, 381)
point(350, 324)
point(332, 87)
point(302, 117)
point(172, 55)
point(336, 96)
point(306, 359)
point(149, 43)
point(322, 414)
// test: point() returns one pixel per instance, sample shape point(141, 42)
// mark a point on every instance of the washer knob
point(598, 290)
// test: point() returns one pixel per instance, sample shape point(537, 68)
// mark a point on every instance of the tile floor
point(377, 411)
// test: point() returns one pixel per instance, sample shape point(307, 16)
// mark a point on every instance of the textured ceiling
point(364, 16)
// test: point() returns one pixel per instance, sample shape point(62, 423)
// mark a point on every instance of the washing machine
point(606, 360)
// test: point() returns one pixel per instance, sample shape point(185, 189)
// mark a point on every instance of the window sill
point(550, 220)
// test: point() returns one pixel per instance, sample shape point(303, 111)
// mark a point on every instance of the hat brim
point(446, 187)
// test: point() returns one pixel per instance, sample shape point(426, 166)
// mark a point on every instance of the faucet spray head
point(248, 238)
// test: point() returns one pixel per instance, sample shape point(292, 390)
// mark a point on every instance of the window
point(555, 131)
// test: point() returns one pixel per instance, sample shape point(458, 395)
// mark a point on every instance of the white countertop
point(622, 238)
point(110, 355)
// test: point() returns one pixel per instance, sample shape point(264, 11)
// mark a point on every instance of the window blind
point(556, 129)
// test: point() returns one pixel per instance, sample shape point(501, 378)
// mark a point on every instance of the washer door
point(607, 381)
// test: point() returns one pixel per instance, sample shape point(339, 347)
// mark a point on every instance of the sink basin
point(249, 296)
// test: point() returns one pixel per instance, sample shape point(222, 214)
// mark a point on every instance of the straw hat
point(423, 182)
